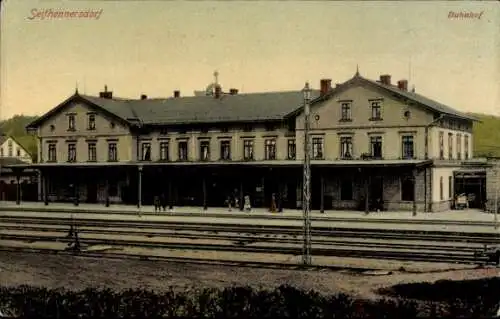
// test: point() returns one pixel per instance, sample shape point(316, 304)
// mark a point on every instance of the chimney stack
point(106, 94)
point(233, 91)
point(144, 96)
point(218, 91)
point(385, 79)
point(326, 86)
point(403, 85)
point(177, 93)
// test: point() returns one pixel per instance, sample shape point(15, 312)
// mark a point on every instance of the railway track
point(327, 241)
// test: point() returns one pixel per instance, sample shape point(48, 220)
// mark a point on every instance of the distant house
point(10, 148)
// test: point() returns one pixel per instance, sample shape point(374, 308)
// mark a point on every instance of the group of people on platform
point(233, 200)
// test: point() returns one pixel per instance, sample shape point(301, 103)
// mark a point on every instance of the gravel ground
point(78, 273)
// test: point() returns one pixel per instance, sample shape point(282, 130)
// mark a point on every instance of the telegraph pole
point(306, 197)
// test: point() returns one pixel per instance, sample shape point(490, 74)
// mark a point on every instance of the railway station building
point(374, 144)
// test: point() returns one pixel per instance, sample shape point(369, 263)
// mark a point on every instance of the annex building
point(374, 145)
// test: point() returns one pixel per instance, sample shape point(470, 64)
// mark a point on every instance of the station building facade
point(371, 141)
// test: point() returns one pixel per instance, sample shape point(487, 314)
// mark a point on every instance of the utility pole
point(306, 197)
point(496, 194)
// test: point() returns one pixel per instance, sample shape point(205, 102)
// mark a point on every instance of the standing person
point(248, 207)
point(156, 202)
point(273, 203)
point(163, 202)
point(228, 202)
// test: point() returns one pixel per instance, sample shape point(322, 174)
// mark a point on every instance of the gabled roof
point(402, 94)
point(3, 138)
point(248, 107)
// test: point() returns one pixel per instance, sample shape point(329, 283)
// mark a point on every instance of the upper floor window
point(459, 146)
point(183, 150)
point(441, 188)
point(441, 145)
point(317, 148)
point(52, 156)
point(10, 149)
point(450, 146)
point(291, 149)
point(71, 122)
point(270, 151)
point(92, 152)
point(91, 122)
point(407, 146)
point(346, 111)
point(112, 152)
point(146, 152)
point(225, 150)
point(376, 146)
point(346, 147)
point(466, 146)
point(204, 150)
point(164, 154)
point(71, 152)
point(376, 110)
point(248, 149)
point(18, 152)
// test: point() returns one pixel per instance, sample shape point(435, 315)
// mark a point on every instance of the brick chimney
point(325, 86)
point(177, 93)
point(106, 94)
point(218, 91)
point(144, 96)
point(403, 85)
point(385, 79)
point(233, 91)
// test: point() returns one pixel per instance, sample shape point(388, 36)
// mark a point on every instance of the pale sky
point(156, 47)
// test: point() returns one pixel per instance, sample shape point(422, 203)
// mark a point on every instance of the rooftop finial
point(216, 77)
point(76, 88)
point(105, 88)
point(357, 70)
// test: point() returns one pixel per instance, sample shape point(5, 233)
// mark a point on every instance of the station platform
point(458, 217)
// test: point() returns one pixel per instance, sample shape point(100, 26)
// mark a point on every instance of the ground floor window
point(407, 189)
point(450, 186)
point(441, 190)
point(346, 189)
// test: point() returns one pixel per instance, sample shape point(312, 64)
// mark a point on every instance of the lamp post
point(496, 195)
point(306, 196)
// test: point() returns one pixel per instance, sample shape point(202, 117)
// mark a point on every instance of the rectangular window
point(291, 149)
point(71, 122)
point(248, 149)
point(441, 145)
point(408, 150)
point(441, 190)
point(71, 152)
point(52, 156)
point(346, 189)
point(317, 148)
point(18, 151)
point(346, 147)
point(459, 146)
point(225, 150)
point(450, 187)
point(466, 147)
point(376, 110)
point(204, 150)
point(346, 111)
point(450, 146)
point(10, 148)
point(183, 150)
point(164, 154)
point(112, 152)
point(270, 150)
point(407, 189)
point(376, 146)
point(92, 152)
point(145, 151)
point(91, 122)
